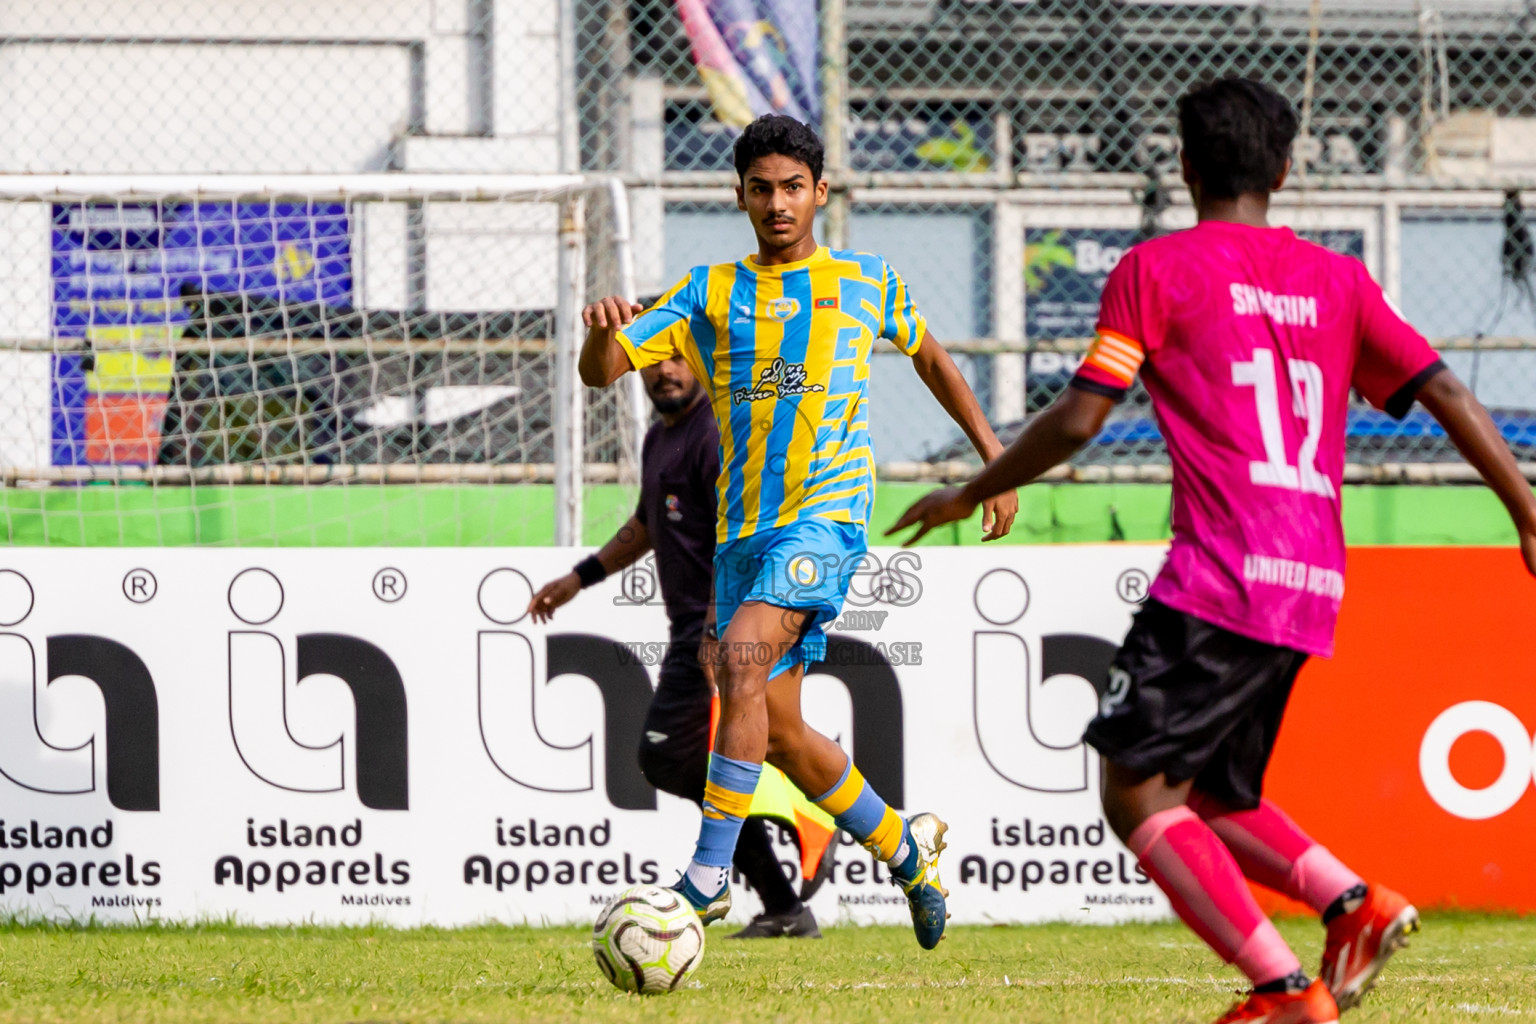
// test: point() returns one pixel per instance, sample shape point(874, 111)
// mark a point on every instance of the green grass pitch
point(1460, 968)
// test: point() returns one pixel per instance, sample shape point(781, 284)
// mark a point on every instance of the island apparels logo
point(511, 692)
point(518, 712)
point(41, 750)
point(262, 690)
point(1029, 724)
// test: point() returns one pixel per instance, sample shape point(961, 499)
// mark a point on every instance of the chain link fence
point(1003, 154)
point(1041, 86)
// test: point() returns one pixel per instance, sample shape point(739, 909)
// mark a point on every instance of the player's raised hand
point(552, 595)
point(946, 505)
point(997, 514)
point(611, 313)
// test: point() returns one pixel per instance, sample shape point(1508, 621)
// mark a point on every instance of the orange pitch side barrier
point(1409, 754)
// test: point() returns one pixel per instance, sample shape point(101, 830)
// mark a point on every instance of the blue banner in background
point(756, 57)
point(1064, 273)
point(907, 136)
point(1065, 270)
point(119, 272)
point(935, 136)
point(124, 265)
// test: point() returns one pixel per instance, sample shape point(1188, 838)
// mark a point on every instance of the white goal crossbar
point(571, 193)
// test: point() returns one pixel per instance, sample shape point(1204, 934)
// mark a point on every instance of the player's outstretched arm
point(942, 377)
point(603, 360)
point(1452, 403)
point(622, 550)
point(1051, 438)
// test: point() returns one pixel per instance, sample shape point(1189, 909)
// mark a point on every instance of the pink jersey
point(1248, 340)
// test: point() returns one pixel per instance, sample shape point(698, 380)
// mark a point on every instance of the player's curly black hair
point(778, 134)
point(1238, 134)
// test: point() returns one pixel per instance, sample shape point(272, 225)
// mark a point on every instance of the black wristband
point(589, 570)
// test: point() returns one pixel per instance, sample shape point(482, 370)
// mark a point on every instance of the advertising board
point(348, 735)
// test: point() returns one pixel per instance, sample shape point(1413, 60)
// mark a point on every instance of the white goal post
point(477, 279)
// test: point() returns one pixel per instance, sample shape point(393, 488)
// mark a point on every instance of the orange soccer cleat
point(1312, 1006)
point(1361, 941)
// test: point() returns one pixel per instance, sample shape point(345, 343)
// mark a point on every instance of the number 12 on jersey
point(1306, 403)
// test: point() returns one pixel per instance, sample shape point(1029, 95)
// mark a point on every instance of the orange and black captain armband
point(1111, 365)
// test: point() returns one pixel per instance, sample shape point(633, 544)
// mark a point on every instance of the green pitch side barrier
point(482, 515)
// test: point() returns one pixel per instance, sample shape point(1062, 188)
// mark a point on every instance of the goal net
point(303, 360)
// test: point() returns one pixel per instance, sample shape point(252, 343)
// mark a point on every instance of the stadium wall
point(332, 87)
point(246, 86)
point(452, 516)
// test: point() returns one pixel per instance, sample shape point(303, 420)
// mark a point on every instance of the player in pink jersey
point(1248, 340)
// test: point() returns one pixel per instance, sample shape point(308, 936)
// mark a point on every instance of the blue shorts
point(806, 565)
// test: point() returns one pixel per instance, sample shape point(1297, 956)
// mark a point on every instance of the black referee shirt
point(678, 468)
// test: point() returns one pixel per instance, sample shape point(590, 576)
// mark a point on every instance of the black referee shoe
point(792, 924)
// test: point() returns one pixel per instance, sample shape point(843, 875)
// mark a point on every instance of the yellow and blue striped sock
point(859, 811)
point(727, 801)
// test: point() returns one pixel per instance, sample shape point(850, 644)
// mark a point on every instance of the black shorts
point(1195, 701)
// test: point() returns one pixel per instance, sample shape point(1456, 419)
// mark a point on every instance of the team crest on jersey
point(674, 508)
point(783, 308)
point(803, 571)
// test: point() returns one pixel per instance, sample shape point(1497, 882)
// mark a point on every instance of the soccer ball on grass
point(647, 940)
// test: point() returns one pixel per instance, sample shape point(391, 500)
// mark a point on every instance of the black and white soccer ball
point(647, 940)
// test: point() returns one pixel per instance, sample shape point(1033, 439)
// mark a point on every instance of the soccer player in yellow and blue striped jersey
point(784, 459)
point(782, 341)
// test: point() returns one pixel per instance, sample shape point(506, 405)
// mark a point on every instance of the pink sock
point(1202, 881)
point(1274, 852)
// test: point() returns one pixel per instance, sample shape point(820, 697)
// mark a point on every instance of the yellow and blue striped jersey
point(783, 352)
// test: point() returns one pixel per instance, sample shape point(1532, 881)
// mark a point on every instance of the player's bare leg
point(759, 634)
point(1197, 872)
point(760, 719)
point(813, 762)
point(742, 659)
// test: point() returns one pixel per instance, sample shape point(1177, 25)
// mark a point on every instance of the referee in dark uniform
point(676, 516)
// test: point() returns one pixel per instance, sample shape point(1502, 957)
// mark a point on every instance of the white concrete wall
point(491, 256)
point(279, 86)
point(168, 108)
point(480, 256)
point(26, 424)
point(216, 85)
point(211, 19)
point(26, 290)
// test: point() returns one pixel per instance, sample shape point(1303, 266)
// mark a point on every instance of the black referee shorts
point(1195, 701)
